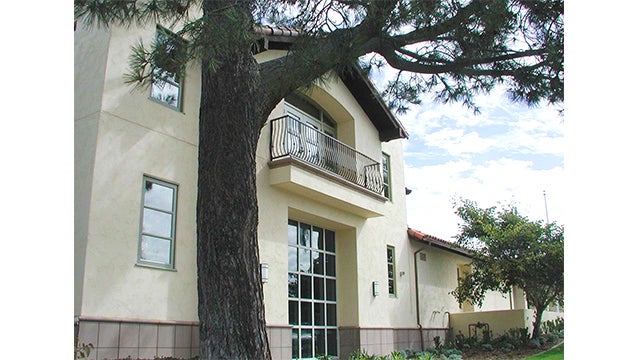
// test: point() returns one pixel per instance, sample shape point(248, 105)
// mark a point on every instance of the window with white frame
point(391, 270)
point(386, 176)
point(167, 84)
point(157, 223)
point(312, 291)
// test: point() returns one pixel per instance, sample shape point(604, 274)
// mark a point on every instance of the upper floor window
point(310, 114)
point(386, 176)
point(168, 79)
point(391, 269)
point(157, 223)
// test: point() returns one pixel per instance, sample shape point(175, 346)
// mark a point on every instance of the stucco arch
point(335, 108)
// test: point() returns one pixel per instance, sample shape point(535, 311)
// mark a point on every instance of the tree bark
point(537, 322)
point(230, 299)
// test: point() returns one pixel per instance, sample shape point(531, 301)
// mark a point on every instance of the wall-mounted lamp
point(402, 273)
point(376, 288)
point(264, 272)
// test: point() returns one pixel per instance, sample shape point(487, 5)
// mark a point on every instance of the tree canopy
point(449, 49)
point(511, 250)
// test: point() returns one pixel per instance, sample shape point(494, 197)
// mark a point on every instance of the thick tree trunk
point(230, 300)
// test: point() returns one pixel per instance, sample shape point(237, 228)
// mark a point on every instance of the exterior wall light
point(376, 288)
point(264, 272)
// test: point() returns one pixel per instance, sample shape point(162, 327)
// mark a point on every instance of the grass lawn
point(556, 353)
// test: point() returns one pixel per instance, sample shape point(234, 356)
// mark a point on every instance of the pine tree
point(451, 49)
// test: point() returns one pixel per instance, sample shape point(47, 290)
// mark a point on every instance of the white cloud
point(456, 130)
point(435, 187)
point(454, 157)
point(509, 153)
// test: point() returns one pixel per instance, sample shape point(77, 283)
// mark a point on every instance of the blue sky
point(510, 153)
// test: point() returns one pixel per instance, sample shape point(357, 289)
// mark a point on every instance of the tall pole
point(544, 193)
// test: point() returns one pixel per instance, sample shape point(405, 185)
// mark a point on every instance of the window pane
point(156, 223)
point(292, 233)
point(318, 263)
point(392, 287)
point(305, 260)
point(305, 287)
point(318, 288)
point(330, 241)
point(390, 271)
point(158, 196)
point(332, 342)
point(316, 238)
point(331, 315)
point(293, 285)
point(293, 312)
point(293, 258)
point(165, 92)
point(318, 314)
point(295, 343)
point(389, 255)
point(305, 235)
point(331, 290)
point(155, 249)
point(305, 313)
point(319, 339)
point(330, 261)
point(307, 345)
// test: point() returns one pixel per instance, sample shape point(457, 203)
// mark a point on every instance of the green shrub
point(397, 355)
point(507, 346)
point(536, 343)
point(81, 350)
point(487, 347)
point(362, 355)
point(555, 326)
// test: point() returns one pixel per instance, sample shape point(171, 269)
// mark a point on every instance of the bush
point(507, 346)
point(81, 350)
point(362, 355)
point(555, 326)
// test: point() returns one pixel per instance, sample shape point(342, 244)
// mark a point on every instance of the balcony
point(321, 158)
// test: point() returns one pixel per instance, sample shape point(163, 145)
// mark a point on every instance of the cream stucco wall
point(500, 321)
point(121, 135)
point(90, 54)
point(361, 241)
point(437, 277)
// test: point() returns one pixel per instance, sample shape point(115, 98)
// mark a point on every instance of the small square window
point(167, 84)
point(157, 223)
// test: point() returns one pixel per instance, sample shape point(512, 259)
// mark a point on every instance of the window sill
point(176, 109)
point(155, 266)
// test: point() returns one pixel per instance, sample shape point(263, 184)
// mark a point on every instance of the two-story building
point(339, 268)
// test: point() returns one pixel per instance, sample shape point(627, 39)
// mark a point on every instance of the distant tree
point(451, 49)
point(511, 250)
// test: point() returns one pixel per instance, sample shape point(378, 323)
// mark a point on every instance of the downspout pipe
point(415, 269)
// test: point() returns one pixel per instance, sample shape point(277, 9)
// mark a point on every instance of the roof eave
point(437, 242)
point(389, 127)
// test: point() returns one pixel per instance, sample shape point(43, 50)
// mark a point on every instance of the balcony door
point(311, 134)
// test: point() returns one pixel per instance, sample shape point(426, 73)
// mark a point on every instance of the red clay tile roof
point(437, 242)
